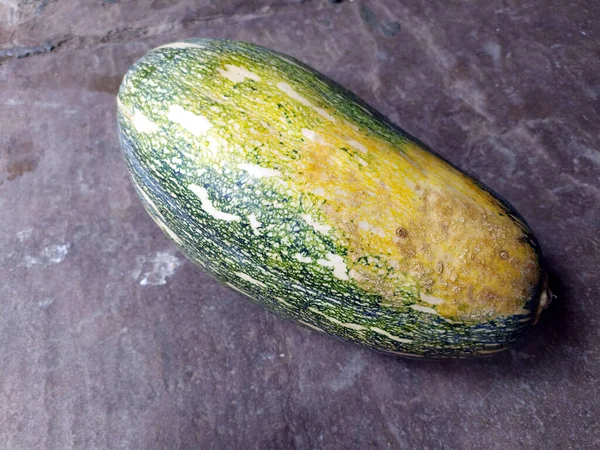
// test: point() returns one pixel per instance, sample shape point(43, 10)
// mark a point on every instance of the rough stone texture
point(110, 339)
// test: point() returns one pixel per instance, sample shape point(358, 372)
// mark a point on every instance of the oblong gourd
point(293, 191)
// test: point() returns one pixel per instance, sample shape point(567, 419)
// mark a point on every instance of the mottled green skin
point(165, 163)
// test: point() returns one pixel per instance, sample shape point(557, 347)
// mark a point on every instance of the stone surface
point(110, 339)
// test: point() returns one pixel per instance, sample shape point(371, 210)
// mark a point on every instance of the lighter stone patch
point(45, 303)
point(358, 146)
point(193, 123)
point(255, 224)
point(287, 89)
point(142, 123)
point(431, 299)
point(319, 191)
point(56, 253)
point(249, 279)
point(24, 235)
point(352, 326)
point(319, 228)
point(337, 263)
point(391, 336)
point(258, 171)
point(368, 227)
point(425, 309)
point(302, 258)
point(208, 207)
point(30, 261)
point(164, 265)
point(237, 74)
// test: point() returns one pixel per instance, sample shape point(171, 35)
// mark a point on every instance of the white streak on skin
point(213, 145)
point(312, 136)
point(309, 325)
point(410, 183)
point(240, 291)
point(193, 123)
point(160, 220)
point(337, 263)
point(287, 89)
point(431, 299)
point(122, 108)
point(237, 74)
point(522, 312)
point(236, 288)
point(279, 299)
point(320, 228)
point(487, 352)
point(391, 336)
point(425, 309)
point(352, 326)
point(368, 227)
point(149, 201)
point(354, 274)
point(208, 207)
point(302, 258)
point(142, 123)
point(406, 354)
point(249, 279)
point(358, 146)
point(169, 232)
point(361, 161)
point(324, 114)
point(258, 171)
point(255, 224)
point(180, 45)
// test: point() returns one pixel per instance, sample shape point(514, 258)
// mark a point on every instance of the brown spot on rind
point(401, 232)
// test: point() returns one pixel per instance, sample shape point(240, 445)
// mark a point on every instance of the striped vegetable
point(293, 191)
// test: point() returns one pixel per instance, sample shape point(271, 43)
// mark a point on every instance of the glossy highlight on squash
point(293, 191)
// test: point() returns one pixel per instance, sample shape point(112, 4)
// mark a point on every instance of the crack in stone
point(25, 52)
point(69, 42)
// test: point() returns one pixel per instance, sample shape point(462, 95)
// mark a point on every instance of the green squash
point(293, 191)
